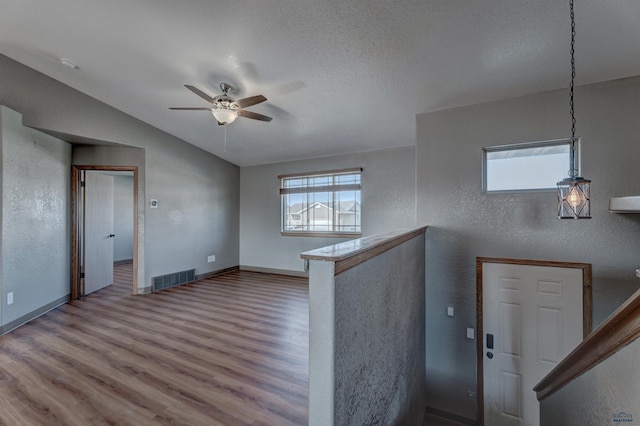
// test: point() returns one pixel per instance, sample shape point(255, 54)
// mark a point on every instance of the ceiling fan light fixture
point(225, 116)
point(225, 109)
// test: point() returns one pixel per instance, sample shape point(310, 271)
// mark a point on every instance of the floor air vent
point(174, 279)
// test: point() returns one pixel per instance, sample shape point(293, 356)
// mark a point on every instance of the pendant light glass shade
point(225, 116)
point(574, 198)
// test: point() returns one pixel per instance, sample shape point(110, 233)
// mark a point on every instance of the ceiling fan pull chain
point(225, 139)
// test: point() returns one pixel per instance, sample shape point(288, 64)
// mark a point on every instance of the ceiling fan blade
point(253, 115)
point(253, 100)
point(200, 93)
point(190, 108)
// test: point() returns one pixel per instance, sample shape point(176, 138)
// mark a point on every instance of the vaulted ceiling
point(340, 75)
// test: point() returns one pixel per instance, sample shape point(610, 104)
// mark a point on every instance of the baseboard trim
point(274, 271)
point(451, 416)
point(33, 315)
point(145, 290)
point(215, 273)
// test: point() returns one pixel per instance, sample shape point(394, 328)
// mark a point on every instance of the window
point(527, 166)
point(323, 203)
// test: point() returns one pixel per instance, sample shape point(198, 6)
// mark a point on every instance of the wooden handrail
point(620, 329)
point(351, 253)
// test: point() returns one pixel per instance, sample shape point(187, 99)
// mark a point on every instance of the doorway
point(530, 315)
point(95, 242)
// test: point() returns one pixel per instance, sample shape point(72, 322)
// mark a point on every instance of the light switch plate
point(471, 333)
point(450, 311)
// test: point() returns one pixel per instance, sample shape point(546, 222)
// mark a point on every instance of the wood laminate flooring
point(433, 420)
point(229, 350)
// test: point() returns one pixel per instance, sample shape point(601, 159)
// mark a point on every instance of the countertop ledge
point(374, 244)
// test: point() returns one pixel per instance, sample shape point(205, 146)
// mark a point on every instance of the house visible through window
point(325, 203)
point(527, 166)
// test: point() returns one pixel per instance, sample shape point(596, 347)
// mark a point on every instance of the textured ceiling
point(340, 76)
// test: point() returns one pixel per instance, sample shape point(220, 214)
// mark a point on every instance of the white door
point(532, 319)
point(98, 231)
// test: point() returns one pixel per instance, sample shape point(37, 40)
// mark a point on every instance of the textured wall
point(388, 202)
point(608, 394)
point(321, 343)
point(366, 343)
point(198, 192)
point(379, 339)
point(35, 221)
point(2, 295)
point(123, 217)
point(198, 210)
point(465, 223)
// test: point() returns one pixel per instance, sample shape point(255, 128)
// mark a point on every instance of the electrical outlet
point(471, 333)
point(471, 396)
point(450, 311)
point(211, 259)
point(10, 298)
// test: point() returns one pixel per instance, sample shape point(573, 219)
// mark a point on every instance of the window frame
point(333, 188)
point(528, 145)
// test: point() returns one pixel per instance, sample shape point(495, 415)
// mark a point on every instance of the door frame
point(76, 208)
point(586, 310)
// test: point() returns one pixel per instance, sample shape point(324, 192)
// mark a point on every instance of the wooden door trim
point(76, 291)
point(586, 310)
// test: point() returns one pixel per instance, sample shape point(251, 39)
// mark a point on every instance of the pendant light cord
point(572, 171)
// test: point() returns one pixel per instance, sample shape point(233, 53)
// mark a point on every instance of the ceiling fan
point(226, 109)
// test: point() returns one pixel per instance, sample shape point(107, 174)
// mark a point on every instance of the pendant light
point(573, 192)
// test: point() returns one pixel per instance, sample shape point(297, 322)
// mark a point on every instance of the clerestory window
point(527, 166)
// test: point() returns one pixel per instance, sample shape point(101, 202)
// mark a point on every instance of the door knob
point(112, 235)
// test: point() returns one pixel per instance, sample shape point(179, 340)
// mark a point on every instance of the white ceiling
point(340, 75)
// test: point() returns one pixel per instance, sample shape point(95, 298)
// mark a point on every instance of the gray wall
point(380, 339)
point(367, 340)
point(123, 217)
point(599, 396)
point(35, 224)
point(465, 223)
point(388, 202)
point(197, 191)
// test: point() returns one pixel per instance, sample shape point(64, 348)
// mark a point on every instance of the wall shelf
point(624, 204)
